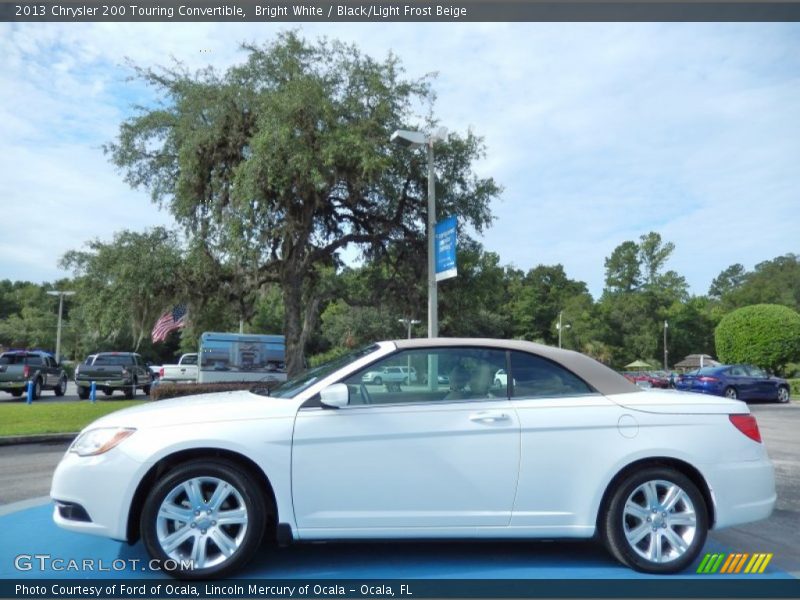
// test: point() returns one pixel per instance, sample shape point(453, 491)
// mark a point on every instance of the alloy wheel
point(659, 521)
point(203, 519)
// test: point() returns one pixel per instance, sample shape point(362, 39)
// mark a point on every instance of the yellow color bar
point(766, 562)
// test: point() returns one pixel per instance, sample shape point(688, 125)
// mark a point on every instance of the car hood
point(676, 402)
point(202, 408)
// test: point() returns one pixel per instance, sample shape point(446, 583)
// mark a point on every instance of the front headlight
point(98, 441)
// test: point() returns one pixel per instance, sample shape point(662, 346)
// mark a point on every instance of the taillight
point(26, 371)
point(161, 372)
point(748, 425)
point(707, 379)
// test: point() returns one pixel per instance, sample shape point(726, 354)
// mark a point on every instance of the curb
point(11, 440)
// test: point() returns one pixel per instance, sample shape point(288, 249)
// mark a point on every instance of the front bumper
point(103, 486)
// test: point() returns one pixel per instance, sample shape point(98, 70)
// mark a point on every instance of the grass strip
point(54, 417)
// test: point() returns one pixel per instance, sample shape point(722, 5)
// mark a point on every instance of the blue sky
point(598, 133)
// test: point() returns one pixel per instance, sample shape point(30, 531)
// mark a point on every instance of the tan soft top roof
point(602, 378)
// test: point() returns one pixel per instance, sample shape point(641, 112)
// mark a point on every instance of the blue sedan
point(743, 382)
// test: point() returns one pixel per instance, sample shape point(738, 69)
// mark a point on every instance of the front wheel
point(377, 381)
point(210, 512)
point(730, 392)
point(783, 394)
point(656, 521)
point(83, 392)
point(37, 389)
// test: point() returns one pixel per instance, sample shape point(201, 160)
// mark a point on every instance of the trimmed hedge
point(767, 335)
point(162, 391)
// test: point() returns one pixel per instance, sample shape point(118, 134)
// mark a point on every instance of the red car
point(648, 379)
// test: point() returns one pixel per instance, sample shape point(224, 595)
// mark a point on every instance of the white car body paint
point(495, 468)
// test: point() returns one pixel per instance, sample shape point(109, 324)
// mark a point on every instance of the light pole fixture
point(417, 139)
point(408, 323)
point(666, 326)
point(561, 327)
point(60, 295)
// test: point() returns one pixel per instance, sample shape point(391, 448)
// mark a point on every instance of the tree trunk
point(292, 287)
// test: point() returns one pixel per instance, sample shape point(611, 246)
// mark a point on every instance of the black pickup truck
point(111, 371)
point(18, 367)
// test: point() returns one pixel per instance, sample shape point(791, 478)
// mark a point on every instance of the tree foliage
point(766, 335)
point(123, 286)
point(279, 163)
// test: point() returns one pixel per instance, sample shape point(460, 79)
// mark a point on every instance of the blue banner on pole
point(445, 233)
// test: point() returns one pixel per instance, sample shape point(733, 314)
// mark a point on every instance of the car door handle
point(488, 417)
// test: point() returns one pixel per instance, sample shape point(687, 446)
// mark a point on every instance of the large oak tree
point(278, 164)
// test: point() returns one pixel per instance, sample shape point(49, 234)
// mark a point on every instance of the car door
point(568, 433)
point(52, 371)
point(739, 378)
point(414, 459)
point(764, 388)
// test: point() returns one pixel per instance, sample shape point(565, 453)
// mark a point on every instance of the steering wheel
point(365, 394)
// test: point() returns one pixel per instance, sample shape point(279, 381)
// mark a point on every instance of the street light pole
point(666, 326)
point(408, 323)
point(60, 295)
point(416, 139)
point(433, 292)
point(560, 326)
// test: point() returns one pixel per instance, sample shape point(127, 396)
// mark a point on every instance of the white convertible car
point(562, 448)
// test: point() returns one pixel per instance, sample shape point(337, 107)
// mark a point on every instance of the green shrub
point(794, 385)
point(163, 391)
point(766, 335)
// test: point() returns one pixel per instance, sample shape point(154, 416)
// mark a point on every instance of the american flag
point(169, 321)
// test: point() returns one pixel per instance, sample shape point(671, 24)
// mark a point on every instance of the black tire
point(37, 389)
point(83, 393)
point(130, 391)
point(730, 392)
point(617, 520)
point(377, 381)
point(108, 392)
point(248, 537)
point(146, 390)
point(16, 393)
point(61, 388)
point(783, 394)
point(497, 383)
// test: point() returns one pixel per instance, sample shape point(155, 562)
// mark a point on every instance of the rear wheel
point(16, 393)
point(730, 392)
point(377, 381)
point(211, 512)
point(656, 521)
point(146, 390)
point(108, 392)
point(61, 388)
point(783, 394)
point(83, 393)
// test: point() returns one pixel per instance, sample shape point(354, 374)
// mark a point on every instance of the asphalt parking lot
point(25, 472)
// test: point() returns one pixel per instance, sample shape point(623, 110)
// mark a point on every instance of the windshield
point(292, 387)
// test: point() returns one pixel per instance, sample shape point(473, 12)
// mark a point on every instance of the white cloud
point(598, 132)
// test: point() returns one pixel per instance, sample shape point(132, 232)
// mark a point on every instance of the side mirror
point(336, 395)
